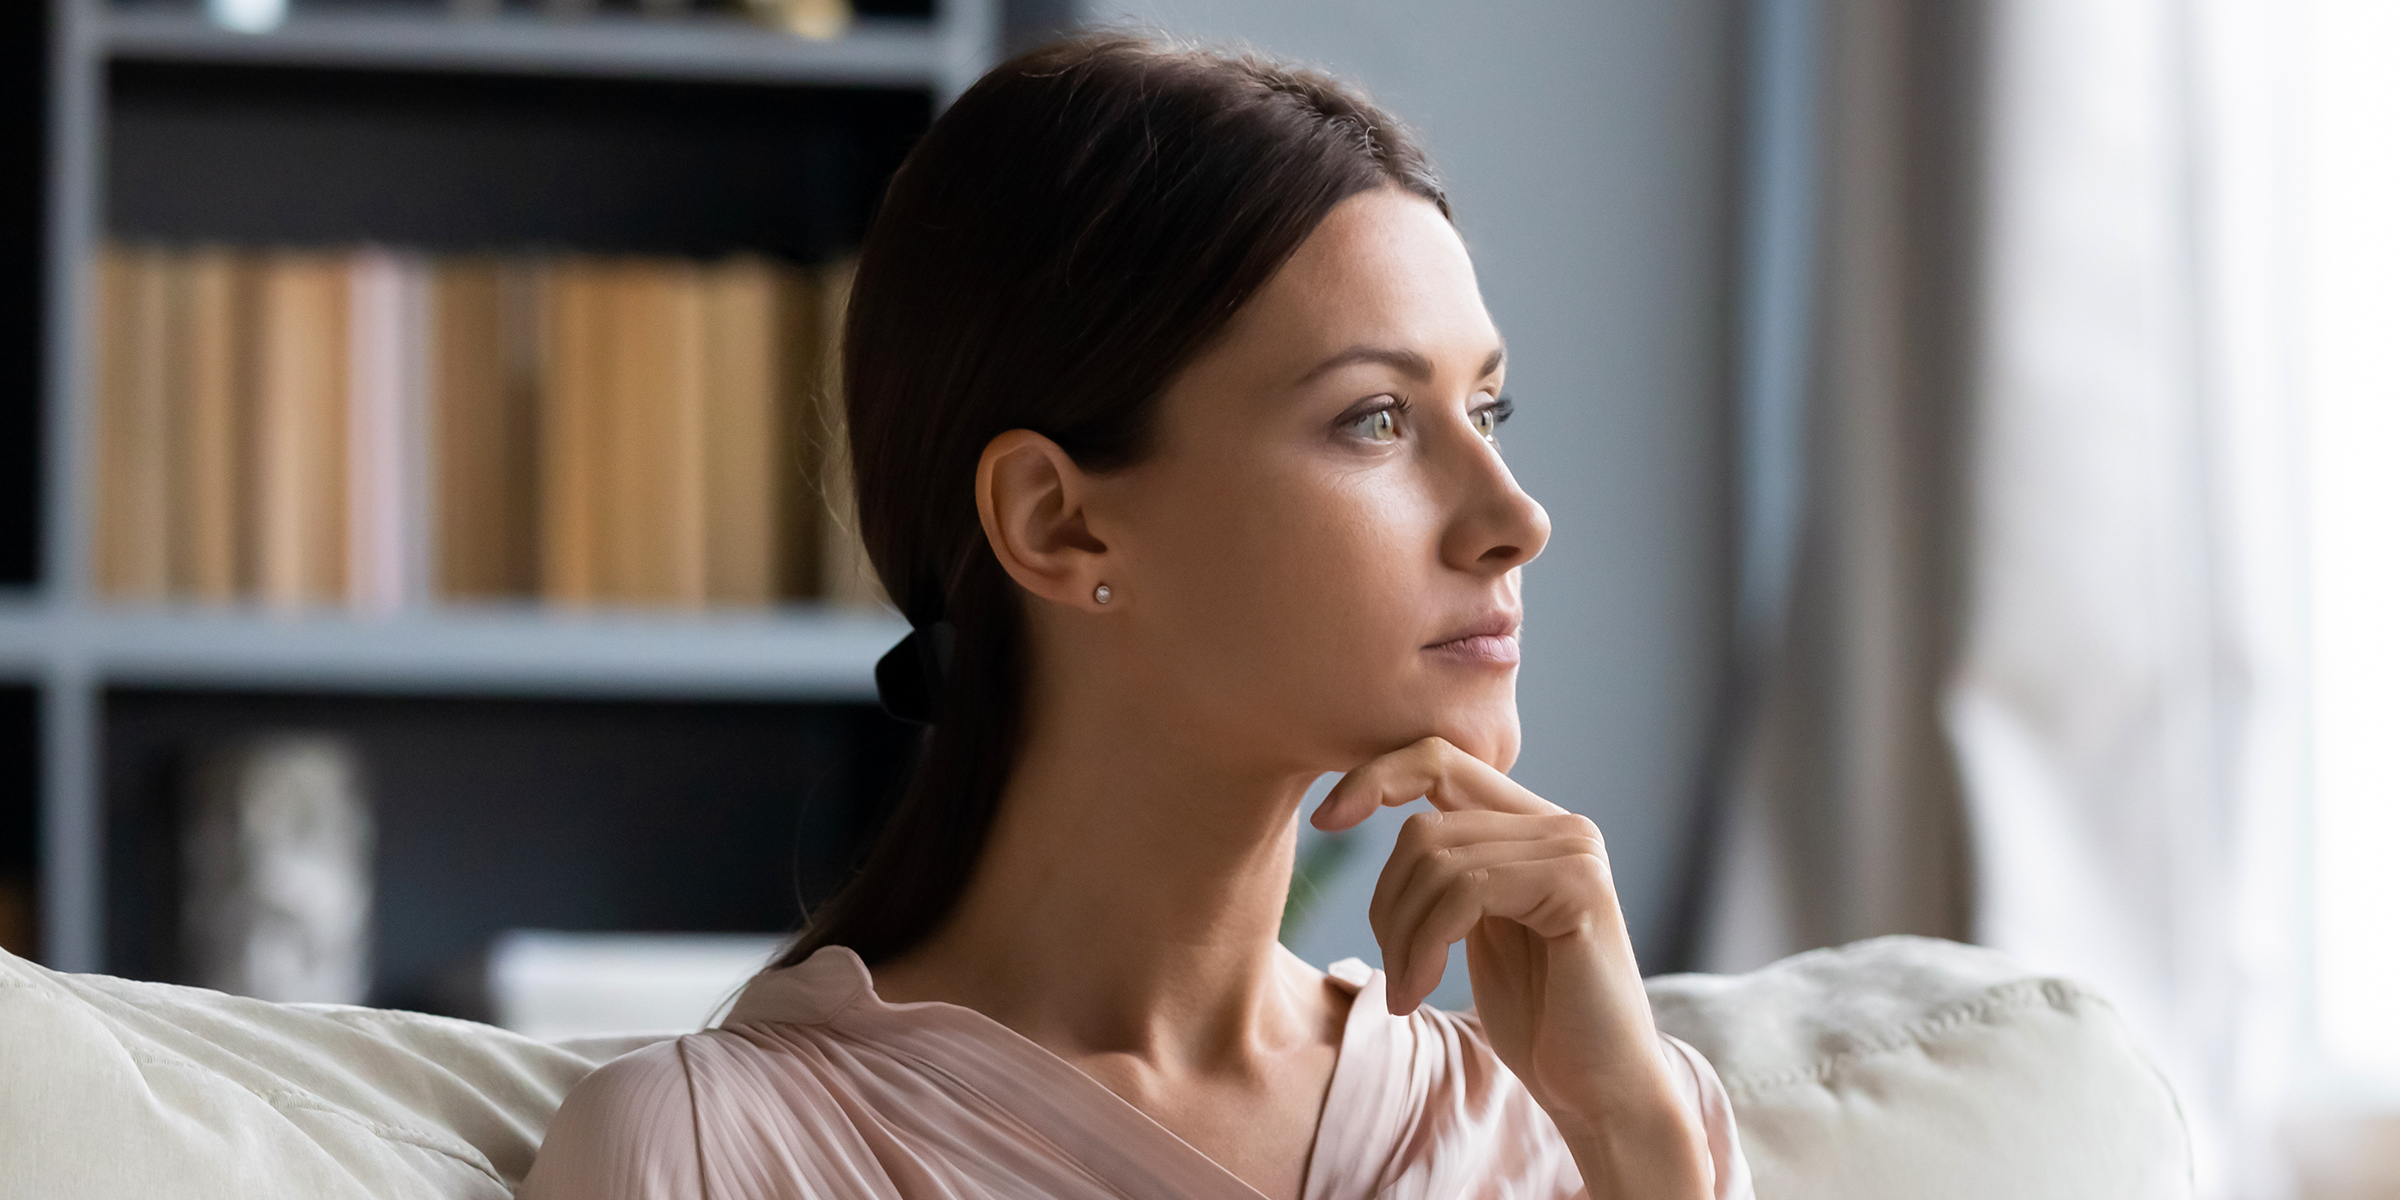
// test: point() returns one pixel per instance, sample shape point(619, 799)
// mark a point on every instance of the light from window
point(2352, 357)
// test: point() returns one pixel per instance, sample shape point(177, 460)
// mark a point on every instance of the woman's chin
point(1497, 746)
point(1482, 722)
point(1488, 732)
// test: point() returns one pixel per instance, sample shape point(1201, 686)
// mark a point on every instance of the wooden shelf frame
point(73, 647)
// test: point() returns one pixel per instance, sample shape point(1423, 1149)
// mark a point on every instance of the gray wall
point(1588, 148)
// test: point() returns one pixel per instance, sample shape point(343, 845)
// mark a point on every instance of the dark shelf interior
point(257, 155)
point(20, 817)
point(24, 175)
point(500, 813)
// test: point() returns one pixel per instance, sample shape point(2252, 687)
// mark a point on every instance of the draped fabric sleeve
point(1704, 1094)
point(627, 1132)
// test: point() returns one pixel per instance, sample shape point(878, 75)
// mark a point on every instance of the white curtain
point(2036, 682)
point(2125, 704)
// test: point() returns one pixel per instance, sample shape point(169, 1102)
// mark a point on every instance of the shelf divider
point(71, 851)
point(885, 53)
point(802, 653)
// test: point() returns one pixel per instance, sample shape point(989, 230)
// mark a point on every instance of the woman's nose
point(1497, 527)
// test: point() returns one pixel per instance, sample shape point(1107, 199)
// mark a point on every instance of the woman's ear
point(1032, 499)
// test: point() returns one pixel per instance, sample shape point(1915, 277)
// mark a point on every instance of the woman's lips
point(1496, 648)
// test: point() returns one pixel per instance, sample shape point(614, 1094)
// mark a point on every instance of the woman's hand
point(1527, 885)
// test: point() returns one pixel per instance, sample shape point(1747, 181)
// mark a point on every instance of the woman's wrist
point(1646, 1147)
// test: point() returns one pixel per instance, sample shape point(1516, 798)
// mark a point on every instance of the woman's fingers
point(1430, 767)
point(1434, 840)
point(1554, 887)
point(1491, 849)
point(1547, 897)
point(1408, 893)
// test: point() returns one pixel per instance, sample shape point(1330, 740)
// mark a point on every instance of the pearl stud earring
point(1101, 594)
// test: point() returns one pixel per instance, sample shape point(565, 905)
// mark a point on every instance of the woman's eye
point(1382, 425)
point(1488, 418)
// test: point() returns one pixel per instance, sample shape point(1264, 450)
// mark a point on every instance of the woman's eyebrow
point(1407, 362)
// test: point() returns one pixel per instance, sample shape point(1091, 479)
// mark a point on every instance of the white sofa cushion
point(121, 1090)
point(1897, 1069)
point(1911, 1067)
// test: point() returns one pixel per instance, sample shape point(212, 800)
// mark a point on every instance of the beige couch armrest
point(1904, 1068)
point(118, 1089)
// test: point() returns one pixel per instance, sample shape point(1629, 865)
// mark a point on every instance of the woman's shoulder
point(642, 1125)
point(626, 1131)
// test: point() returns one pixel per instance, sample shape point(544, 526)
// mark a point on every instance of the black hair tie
point(910, 675)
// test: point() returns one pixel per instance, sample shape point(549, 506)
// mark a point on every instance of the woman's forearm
point(1651, 1151)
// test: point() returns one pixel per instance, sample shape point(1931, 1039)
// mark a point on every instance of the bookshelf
point(404, 125)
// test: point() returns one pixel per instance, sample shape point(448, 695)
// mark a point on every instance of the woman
point(1173, 408)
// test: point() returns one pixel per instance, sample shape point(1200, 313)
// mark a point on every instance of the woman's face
point(1320, 560)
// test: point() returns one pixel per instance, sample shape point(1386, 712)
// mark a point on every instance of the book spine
point(302, 443)
point(385, 390)
point(516, 508)
point(415, 491)
point(572, 339)
point(626, 462)
point(483, 468)
point(681, 405)
point(742, 435)
point(653, 505)
point(112, 405)
point(216, 390)
point(136, 418)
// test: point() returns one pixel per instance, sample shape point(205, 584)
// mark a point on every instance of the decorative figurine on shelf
point(278, 859)
point(821, 20)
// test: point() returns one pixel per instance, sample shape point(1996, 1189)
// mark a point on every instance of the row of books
point(807, 18)
point(380, 429)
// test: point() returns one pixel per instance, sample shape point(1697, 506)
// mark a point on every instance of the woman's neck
point(1127, 900)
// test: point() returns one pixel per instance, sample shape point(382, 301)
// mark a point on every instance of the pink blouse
point(814, 1087)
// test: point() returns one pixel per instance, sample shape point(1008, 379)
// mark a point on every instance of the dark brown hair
point(1075, 229)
